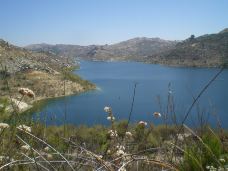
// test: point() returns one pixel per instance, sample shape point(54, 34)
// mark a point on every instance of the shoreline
point(74, 85)
point(43, 99)
point(156, 63)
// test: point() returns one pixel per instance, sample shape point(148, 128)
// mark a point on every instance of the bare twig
point(200, 94)
point(36, 151)
point(132, 105)
point(49, 147)
point(35, 162)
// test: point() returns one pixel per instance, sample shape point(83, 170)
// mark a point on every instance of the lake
point(115, 85)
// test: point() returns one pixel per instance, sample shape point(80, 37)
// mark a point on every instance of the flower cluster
point(112, 133)
point(107, 109)
point(25, 148)
point(120, 147)
point(24, 128)
point(122, 169)
point(46, 149)
point(2, 158)
point(120, 152)
point(49, 156)
point(222, 160)
point(181, 137)
point(157, 114)
point(110, 114)
point(142, 123)
point(211, 168)
point(4, 125)
point(110, 118)
point(128, 134)
point(26, 92)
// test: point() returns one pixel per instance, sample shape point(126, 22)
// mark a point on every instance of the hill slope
point(209, 50)
point(40, 72)
point(133, 49)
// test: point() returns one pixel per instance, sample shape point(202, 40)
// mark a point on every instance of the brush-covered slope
point(47, 74)
point(210, 50)
point(133, 49)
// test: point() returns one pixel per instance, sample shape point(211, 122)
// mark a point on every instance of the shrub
point(200, 154)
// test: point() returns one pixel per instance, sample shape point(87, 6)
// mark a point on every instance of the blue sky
point(84, 22)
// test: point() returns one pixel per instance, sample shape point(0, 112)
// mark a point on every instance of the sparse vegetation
point(34, 145)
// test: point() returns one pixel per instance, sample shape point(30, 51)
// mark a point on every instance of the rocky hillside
point(210, 50)
point(38, 71)
point(134, 49)
point(70, 51)
point(18, 59)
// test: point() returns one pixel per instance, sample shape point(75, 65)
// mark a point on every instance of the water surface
point(115, 82)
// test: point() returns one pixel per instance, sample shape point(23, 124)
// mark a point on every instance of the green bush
point(200, 154)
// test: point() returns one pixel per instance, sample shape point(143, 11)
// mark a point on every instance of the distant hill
point(134, 49)
point(210, 50)
point(70, 51)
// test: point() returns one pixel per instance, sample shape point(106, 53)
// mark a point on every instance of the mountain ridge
point(124, 50)
point(208, 50)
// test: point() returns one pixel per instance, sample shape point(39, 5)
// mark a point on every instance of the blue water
point(115, 82)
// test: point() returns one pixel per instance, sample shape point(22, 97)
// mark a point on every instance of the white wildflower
point(107, 109)
point(113, 133)
point(128, 134)
point(108, 151)
point(24, 128)
point(157, 114)
point(1, 158)
point(4, 125)
point(208, 167)
point(120, 152)
point(111, 118)
point(31, 94)
point(211, 168)
point(26, 92)
point(25, 147)
point(22, 91)
point(142, 123)
point(46, 149)
point(120, 147)
point(49, 156)
point(122, 169)
point(180, 137)
point(99, 156)
point(222, 160)
point(221, 169)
